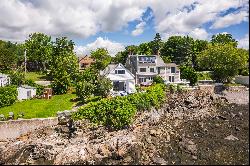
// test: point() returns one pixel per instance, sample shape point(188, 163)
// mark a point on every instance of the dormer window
point(119, 71)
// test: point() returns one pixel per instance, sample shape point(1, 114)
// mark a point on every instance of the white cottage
point(122, 78)
point(4, 80)
point(26, 92)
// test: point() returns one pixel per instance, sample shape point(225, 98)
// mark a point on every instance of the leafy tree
point(8, 55)
point(132, 49)
point(144, 49)
point(39, 50)
point(63, 65)
point(178, 49)
point(224, 39)
point(90, 83)
point(224, 60)
point(197, 47)
point(158, 79)
point(245, 70)
point(16, 77)
point(156, 44)
point(101, 57)
point(121, 57)
point(187, 72)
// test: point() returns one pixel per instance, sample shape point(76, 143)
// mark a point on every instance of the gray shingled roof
point(109, 68)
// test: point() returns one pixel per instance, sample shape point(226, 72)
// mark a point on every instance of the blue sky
point(114, 24)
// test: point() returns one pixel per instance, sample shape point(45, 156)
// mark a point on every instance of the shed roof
point(27, 87)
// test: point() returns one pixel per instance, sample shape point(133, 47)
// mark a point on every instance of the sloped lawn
point(40, 108)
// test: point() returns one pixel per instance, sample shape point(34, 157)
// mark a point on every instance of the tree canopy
point(224, 39)
point(39, 49)
point(224, 60)
point(101, 57)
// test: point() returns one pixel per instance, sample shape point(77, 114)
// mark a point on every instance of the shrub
point(204, 76)
point(158, 80)
point(8, 95)
point(39, 88)
point(119, 111)
point(172, 88)
point(189, 73)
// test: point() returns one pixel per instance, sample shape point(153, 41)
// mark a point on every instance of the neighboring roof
point(27, 87)
point(112, 67)
point(3, 75)
point(171, 64)
point(159, 61)
point(43, 83)
point(86, 59)
point(108, 69)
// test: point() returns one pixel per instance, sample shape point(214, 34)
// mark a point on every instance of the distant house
point(4, 80)
point(26, 92)
point(85, 62)
point(146, 67)
point(122, 78)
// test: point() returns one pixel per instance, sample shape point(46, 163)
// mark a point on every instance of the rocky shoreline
point(193, 127)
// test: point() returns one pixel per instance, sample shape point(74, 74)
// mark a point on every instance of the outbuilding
point(26, 92)
point(4, 80)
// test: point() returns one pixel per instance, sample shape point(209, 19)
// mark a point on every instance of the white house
point(4, 80)
point(122, 78)
point(26, 92)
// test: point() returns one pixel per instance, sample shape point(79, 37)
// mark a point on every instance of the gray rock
point(231, 138)
point(159, 160)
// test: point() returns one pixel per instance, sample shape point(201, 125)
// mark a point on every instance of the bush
point(172, 88)
point(119, 111)
point(39, 88)
point(189, 73)
point(8, 95)
point(204, 76)
point(158, 80)
point(16, 77)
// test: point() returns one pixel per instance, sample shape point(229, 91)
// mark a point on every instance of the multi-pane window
point(119, 71)
point(142, 80)
point(171, 78)
point(142, 69)
point(172, 69)
point(152, 70)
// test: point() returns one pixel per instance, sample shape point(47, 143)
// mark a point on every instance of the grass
point(232, 84)
point(40, 108)
point(35, 76)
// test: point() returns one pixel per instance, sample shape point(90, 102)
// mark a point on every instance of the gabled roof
point(111, 67)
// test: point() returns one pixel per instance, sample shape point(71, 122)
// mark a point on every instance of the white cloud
point(199, 33)
point(244, 42)
point(230, 19)
point(78, 18)
point(139, 29)
point(112, 47)
point(83, 18)
point(193, 15)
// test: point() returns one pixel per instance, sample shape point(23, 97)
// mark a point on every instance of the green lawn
point(35, 76)
point(40, 108)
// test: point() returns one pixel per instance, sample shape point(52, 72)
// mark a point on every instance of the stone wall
point(244, 80)
point(207, 88)
point(14, 128)
point(235, 88)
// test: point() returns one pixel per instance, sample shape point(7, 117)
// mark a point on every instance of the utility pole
point(25, 61)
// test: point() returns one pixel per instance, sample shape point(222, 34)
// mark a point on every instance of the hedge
point(8, 95)
point(118, 112)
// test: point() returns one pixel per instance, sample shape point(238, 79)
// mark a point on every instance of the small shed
point(47, 93)
point(4, 80)
point(26, 92)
